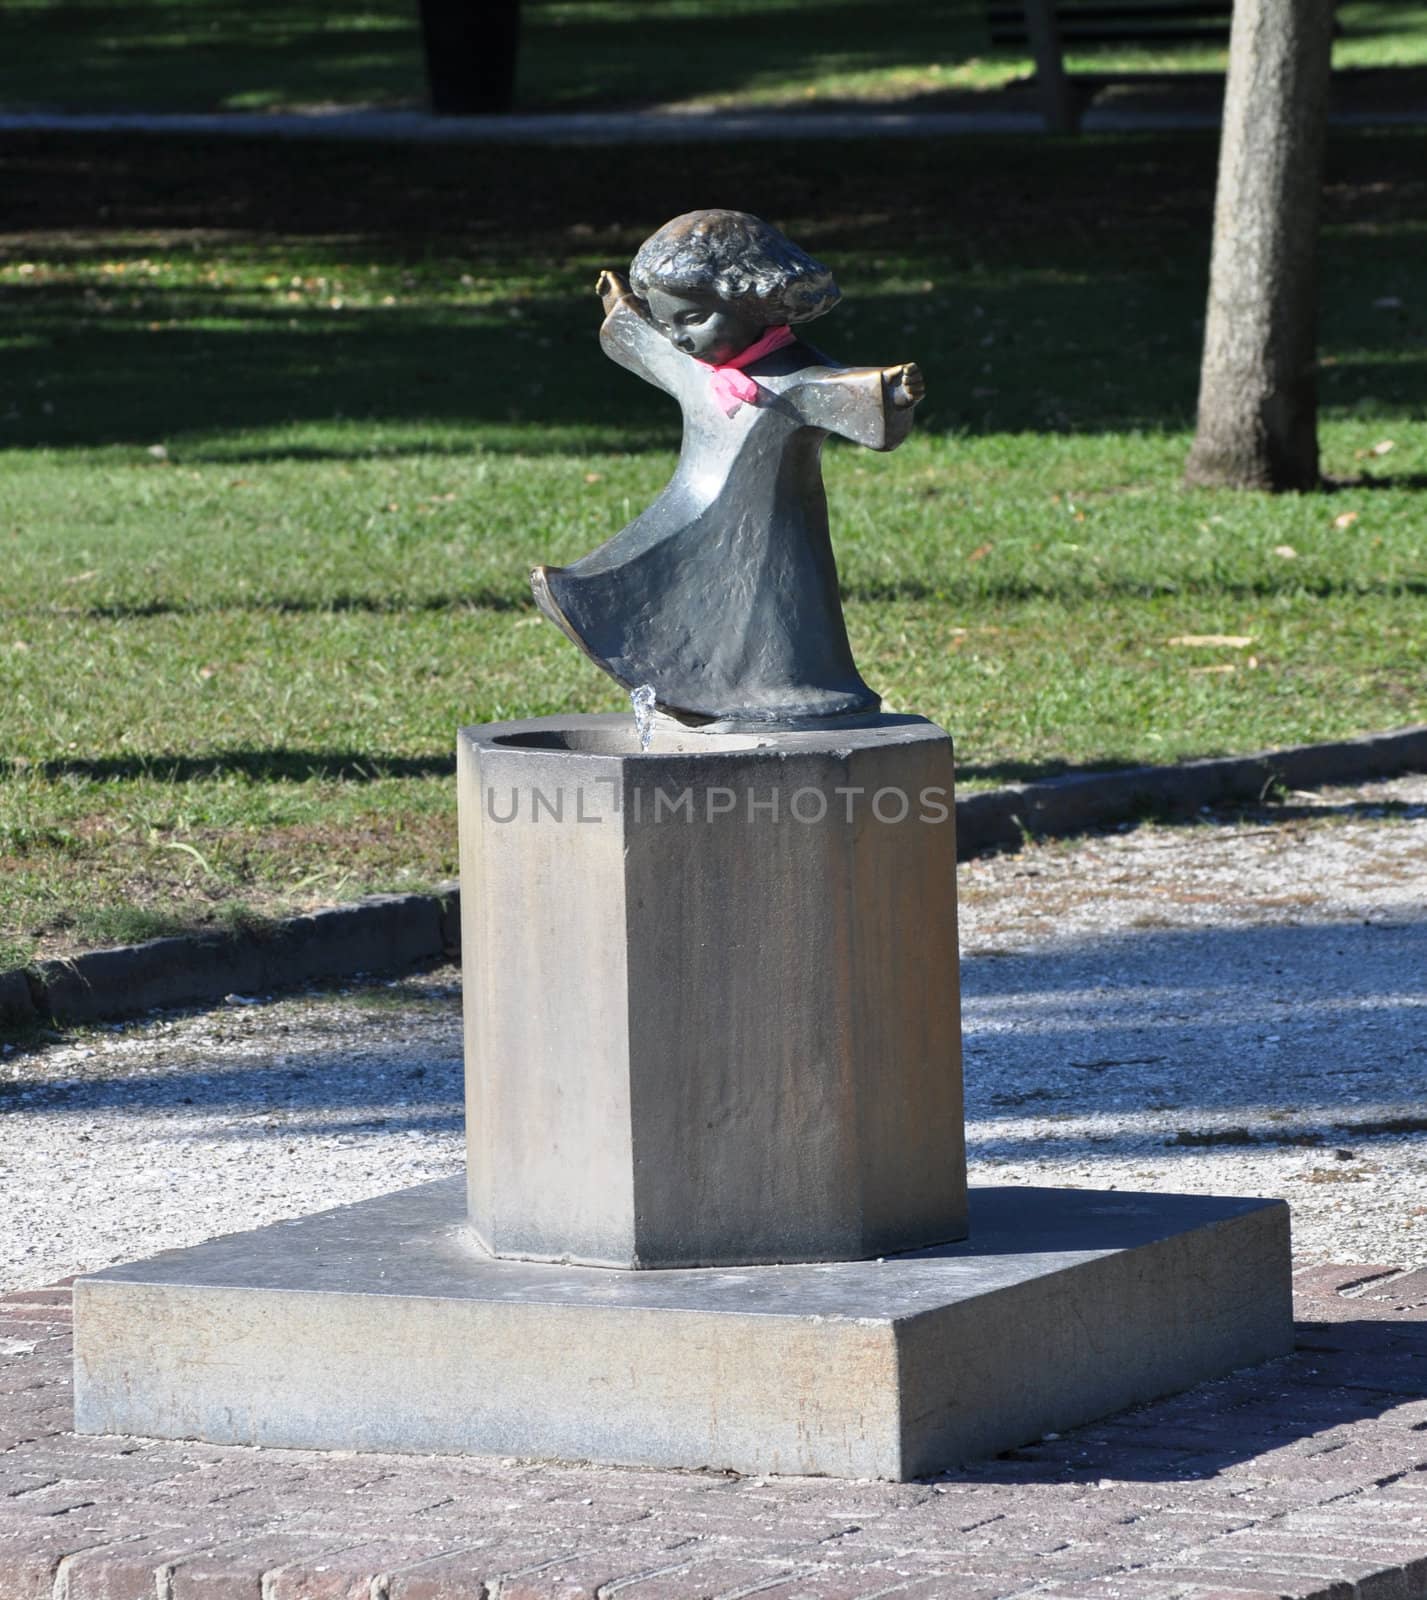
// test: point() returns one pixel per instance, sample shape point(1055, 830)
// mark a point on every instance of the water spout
point(642, 699)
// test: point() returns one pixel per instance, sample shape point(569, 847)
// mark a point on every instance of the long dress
point(723, 595)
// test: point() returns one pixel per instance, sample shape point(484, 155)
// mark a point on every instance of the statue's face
point(708, 329)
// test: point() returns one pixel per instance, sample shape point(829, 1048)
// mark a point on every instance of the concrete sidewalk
point(650, 127)
point(1304, 1479)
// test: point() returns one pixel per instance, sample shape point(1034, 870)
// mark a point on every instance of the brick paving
point(1304, 1479)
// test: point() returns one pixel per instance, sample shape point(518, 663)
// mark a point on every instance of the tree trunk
point(1057, 98)
point(470, 54)
point(1258, 404)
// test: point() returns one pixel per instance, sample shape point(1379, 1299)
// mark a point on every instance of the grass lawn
point(258, 54)
point(284, 428)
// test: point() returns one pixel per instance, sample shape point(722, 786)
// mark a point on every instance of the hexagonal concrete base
point(712, 1013)
point(381, 1326)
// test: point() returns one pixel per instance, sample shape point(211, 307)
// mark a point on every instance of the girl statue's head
point(714, 280)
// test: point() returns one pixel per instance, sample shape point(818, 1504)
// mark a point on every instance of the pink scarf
point(731, 386)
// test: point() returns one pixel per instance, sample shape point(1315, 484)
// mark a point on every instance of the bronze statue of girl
point(723, 595)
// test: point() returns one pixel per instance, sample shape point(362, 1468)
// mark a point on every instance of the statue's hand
point(905, 384)
point(612, 287)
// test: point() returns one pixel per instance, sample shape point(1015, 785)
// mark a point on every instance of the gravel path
point(1238, 1006)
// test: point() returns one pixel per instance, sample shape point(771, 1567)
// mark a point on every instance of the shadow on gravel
point(1405, 809)
point(385, 1076)
point(1310, 1034)
point(1299, 1035)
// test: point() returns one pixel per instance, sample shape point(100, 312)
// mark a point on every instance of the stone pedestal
point(381, 1327)
point(712, 1013)
point(711, 1024)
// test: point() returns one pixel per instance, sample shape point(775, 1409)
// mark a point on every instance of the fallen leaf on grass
point(82, 577)
point(1229, 641)
point(1200, 671)
point(594, 477)
point(1285, 552)
point(980, 551)
point(1381, 448)
point(1346, 519)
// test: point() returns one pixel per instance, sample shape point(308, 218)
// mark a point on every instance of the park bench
point(1118, 22)
point(1045, 27)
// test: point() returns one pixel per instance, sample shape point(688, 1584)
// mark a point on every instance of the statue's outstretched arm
point(631, 339)
point(869, 405)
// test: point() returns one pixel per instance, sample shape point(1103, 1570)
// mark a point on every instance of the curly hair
point(737, 258)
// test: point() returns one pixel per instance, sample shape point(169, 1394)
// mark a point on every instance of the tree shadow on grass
point(118, 382)
point(161, 56)
point(1398, 481)
point(1014, 588)
point(174, 56)
point(1066, 362)
point(258, 766)
point(1073, 303)
point(1011, 589)
point(375, 604)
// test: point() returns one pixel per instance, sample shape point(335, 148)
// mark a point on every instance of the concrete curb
point(382, 933)
point(1001, 817)
point(386, 933)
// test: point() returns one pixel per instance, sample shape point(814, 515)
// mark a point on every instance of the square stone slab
point(383, 1326)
